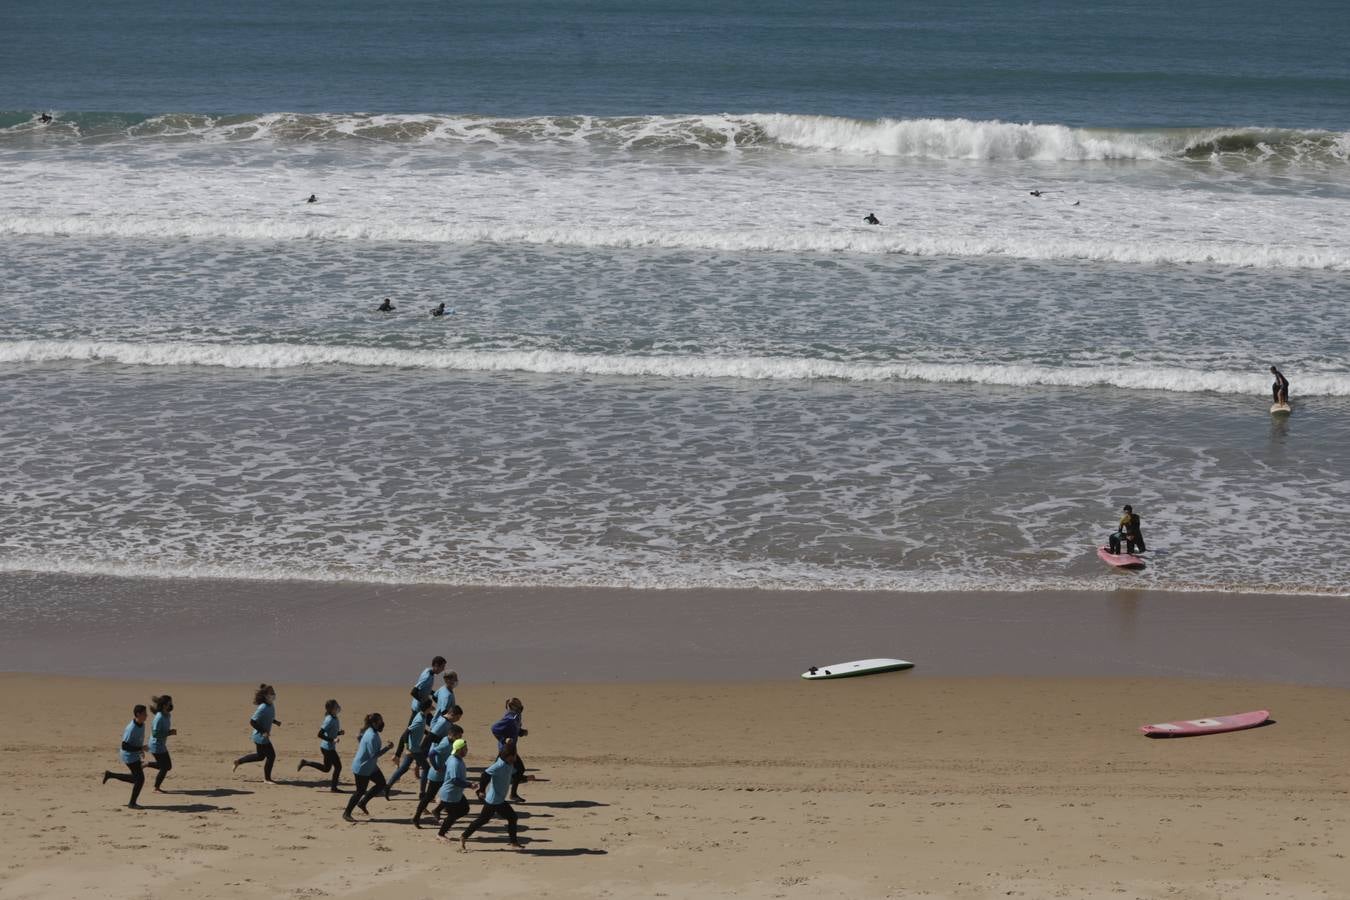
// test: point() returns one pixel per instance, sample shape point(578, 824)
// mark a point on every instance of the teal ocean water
point(674, 353)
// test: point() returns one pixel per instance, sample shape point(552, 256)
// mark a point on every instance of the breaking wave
point(751, 368)
point(991, 140)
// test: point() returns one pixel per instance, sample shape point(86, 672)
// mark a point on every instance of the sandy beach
point(892, 786)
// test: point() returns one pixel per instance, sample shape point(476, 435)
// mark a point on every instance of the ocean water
point(674, 354)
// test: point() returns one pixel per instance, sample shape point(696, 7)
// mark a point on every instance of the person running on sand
point(329, 732)
point(496, 781)
point(421, 690)
point(132, 754)
point(412, 739)
point(445, 694)
point(509, 729)
point(437, 757)
point(161, 729)
point(453, 802)
point(264, 719)
point(366, 766)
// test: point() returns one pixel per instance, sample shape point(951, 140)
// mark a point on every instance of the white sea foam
point(922, 138)
point(839, 239)
point(753, 368)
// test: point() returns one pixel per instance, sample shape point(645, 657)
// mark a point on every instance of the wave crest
point(753, 368)
point(991, 140)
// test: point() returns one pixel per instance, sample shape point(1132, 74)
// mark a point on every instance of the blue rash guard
point(423, 687)
point(416, 729)
point(452, 787)
point(499, 781)
point(368, 753)
point(330, 727)
point(133, 736)
point(159, 732)
point(263, 715)
point(436, 759)
point(445, 698)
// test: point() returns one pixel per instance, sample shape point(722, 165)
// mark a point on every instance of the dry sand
point(892, 786)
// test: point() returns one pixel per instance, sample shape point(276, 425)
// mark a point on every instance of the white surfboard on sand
point(855, 668)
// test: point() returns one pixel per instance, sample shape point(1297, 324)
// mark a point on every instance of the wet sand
point(360, 633)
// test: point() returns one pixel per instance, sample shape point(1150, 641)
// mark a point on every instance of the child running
point(366, 766)
point(437, 757)
point(453, 801)
point(264, 718)
point(445, 694)
point(329, 732)
point(421, 690)
point(161, 729)
point(496, 779)
point(132, 754)
point(412, 738)
point(508, 729)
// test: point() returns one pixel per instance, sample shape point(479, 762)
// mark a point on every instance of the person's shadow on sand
point(570, 804)
point(188, 808)
point(213, 792)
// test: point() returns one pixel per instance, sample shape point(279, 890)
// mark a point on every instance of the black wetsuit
point(1280, 389)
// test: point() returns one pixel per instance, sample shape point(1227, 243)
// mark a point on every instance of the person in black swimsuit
point(872, 219)
point(1280, 389)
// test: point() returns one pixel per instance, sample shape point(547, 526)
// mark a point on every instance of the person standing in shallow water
point(366, 766)
point(132, 755)
point(264, 718)
point(329, 732)
point(161, 729)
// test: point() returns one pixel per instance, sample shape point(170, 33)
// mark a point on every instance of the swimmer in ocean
point(45, 118)
point(872, 219)
point(313, 198)
point(386, 306)
point(439, 310)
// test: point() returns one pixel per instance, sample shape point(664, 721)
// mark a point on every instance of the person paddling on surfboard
point(1129, 531)
point(1280, 389)
point(871, 219)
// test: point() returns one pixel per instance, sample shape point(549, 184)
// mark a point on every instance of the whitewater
point(674, 354)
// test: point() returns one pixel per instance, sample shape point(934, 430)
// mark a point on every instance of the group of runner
point(432, 743)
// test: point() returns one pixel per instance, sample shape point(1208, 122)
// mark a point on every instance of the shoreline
point(205, 631)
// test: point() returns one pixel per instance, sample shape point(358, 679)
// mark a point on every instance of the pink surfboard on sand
point(1120, 560)
point(1216, 725)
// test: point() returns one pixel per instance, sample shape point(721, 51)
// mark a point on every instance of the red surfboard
point(1216, 725)
point(1120, 560)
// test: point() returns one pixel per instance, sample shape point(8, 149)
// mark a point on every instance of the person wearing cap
point(509, 728)
point(1129, 531)
point(437, 757)
point(453, 801)
point(492, 788)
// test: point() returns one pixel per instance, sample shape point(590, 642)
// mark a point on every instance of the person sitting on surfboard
point(1280, 389)
point(1129, 532)
point(871, 219)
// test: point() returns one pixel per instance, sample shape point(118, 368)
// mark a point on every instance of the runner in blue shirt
point(445, 694)
point(496, 781)
point(421, 690)
point(329, 732)
point(437, 758)
point(264, 719)
point(366, 766)
point(452, 788)
point(132, 754)
point(412, 738)
point(161, 729)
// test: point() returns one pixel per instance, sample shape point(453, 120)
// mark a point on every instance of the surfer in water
point(871, 219)
point(439, 310)
point(313, 198)
point(386, 306)
point(1280, 389)
point(45, 118)
point(1129, 531)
